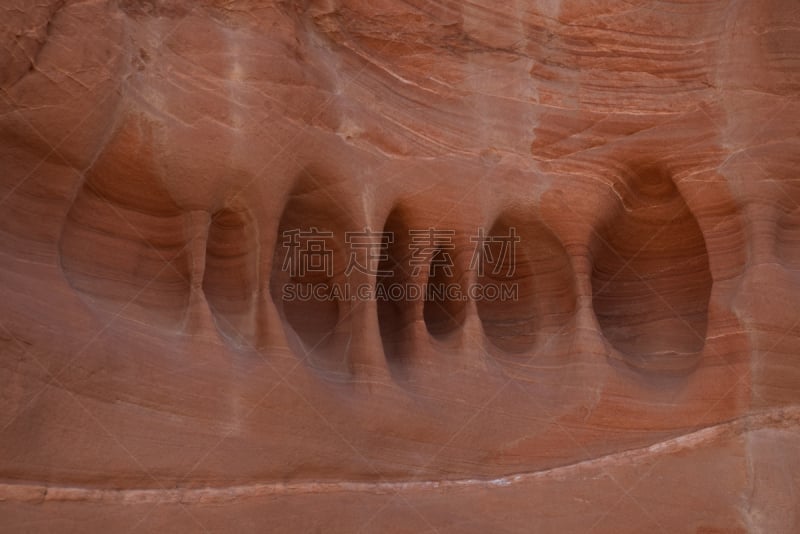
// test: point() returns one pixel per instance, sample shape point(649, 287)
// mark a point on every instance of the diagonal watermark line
point(740, 378)
point(499, 390)
point(297, 135)
point(734, 387)
point(54, 150)
point(114, 317)
point(627, 492)
point(625, 264)
point(284, 380)
point(473, 415)
point(349, 444)
point(54, 378)
point(660, 526)
point(360, 455)
point(283, 377)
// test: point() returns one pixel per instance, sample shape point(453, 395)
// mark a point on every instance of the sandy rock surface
point(159, 157)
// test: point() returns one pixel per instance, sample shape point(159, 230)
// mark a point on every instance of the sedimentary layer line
point(40, 493)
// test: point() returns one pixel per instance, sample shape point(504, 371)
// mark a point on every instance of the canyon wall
point(159, 159)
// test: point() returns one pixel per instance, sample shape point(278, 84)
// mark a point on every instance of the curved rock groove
point(651, 280)
point(395, 316)
point(787, 238)
point(230, 281)
point(444, 310)
point(309, 262)
point(523, 258)
point(124, 211)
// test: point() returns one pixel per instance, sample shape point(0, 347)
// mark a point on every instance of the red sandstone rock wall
point(155, 154)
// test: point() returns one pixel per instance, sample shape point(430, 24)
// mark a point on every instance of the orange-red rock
point(157, 155)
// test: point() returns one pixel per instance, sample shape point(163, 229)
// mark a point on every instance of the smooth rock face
point(159, 157)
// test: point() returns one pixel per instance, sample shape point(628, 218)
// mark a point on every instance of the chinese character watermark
point(499, 251)
point(307, 252)
point(371, 248)
point(310, 253)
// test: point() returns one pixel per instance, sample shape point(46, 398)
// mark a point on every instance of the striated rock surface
point(158, 157)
